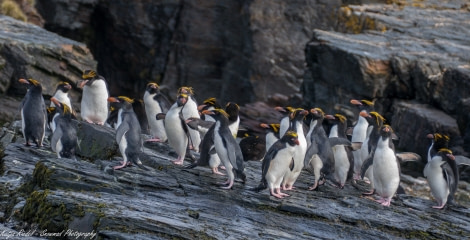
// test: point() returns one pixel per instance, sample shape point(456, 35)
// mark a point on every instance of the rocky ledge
point(48, 196)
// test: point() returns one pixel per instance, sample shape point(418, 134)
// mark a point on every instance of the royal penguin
point(278, 160)
point(386, 167)
point(128, 130)
point(319, 157)
point(62, 94)
point(33, 113)
point(342, 153)
point(296, 119)
point(359, 133)
point(367, 149)
point(64, 139)
point(189, 110)
point(94, 103)
point(227, 147)
point(155, 103)
point(176, 128)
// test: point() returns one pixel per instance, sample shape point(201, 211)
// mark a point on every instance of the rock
point(390, 53)
point(95, 141)
point(66, 197)
point(28, 51)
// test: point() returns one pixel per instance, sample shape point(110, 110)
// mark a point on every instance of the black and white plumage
point(33, 113)
point(319, 157)
point(344, 160)
point(272, 133)
point(64, 139)
point(128, 130)
point(190, 110)
point(278, 160)
point(227, 147)
point(176, 128)
point(359, 133)
point(296, 119)
point(386, 167)
point(208, 104)
point(155, 103)
point(94, 103)
point(62, 94)
point(441, 170)
point(284, 122)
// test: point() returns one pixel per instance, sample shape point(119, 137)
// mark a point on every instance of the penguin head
point(297, 114)
point(291, 138)
point(152, 88)
point(31, 84)
point(64, 87)
point(186, 90)
point(232, 109)
point(209, 103)
point(182, 99)
point(317, 113)
point(216, 113)
point(447, 153)
point(62, 108)
point(274, 127)
point(440, 140)
point(121, 102)
point(363, 104)
point(373, 118)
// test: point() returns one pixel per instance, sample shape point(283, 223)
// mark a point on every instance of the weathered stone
point(170, 202)
point(95, 141)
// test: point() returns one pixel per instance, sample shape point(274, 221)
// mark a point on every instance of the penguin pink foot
point(278, 191)
point(154, 140)
point(178, 161)
point(123, 164)
point(230, 184)
point(216, 171)
point(369, 193)
point(274, 194)
point(439, 207)
point(287, 187)
point(313, 187)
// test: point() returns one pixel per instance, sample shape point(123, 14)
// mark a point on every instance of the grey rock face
point(170, 202)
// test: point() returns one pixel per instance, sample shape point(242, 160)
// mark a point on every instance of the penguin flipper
point(56, 136)
point(122, 129)
point(408, 157)
point(462, 160)
point(366, 164)
point(450, 177)
point(160, 116)
point(163, 101)
point(292, 165)
point(311, 151)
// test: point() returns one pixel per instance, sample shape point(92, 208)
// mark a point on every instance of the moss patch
point(12, 9)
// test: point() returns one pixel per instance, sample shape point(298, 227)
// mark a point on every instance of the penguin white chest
point(342, 163)
point(62, 97)
point(386, 173)
point(174, 130)
point(279, 166)
point(436, 179)
point(152, 108)
point(94, 105)
point(360, 130)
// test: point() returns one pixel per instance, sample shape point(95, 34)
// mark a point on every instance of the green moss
point(350, 22)
point(41, 175)
point(12, 9)
point(52, 217)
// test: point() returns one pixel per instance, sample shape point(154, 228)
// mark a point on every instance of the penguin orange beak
point(330, 117)
point(24, 81)
point(297, 142)
point(355, 102)
point(387, 129)
point(313, 111)
point(82, 83)
point(364, 114)
point(263, 125)
point(280, 109)
point(68, 86)
point(208, 112)
point(113, 99)
point(55, 101)
point(200, 107)
point(430, 135)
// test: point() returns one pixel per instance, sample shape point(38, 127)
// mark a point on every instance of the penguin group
point(304, 139)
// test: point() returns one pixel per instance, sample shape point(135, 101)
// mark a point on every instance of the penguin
point(319, 157)
point(64, 139)
point(227, 147)
point(128, 132)
point(33, 113)
point(359, 133)
point(342, 154)
point(284, 122)
point(296, 118)
point(176, 128)
point(190, 109)
point(155, 103)
point(386, 168)
point(272, 133)
point(232, 109)
point(208, 104)
point(94, 104)
point(202, 126)
point(376, 122)
point(61, 94)
point(208, 155)
point(52, 113)
point(253, 147)
point(278, 160)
